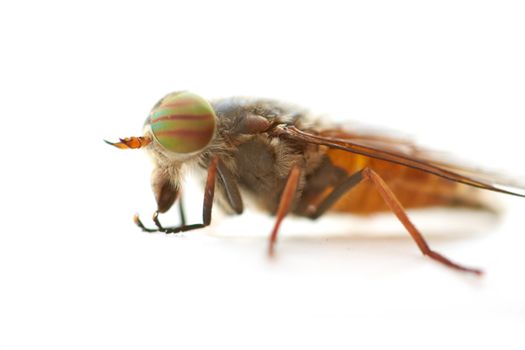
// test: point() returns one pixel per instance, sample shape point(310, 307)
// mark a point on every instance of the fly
point(292, 164)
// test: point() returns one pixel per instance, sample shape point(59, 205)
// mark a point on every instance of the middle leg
point(284, 204)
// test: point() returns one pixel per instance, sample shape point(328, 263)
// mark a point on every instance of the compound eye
point(183, 122)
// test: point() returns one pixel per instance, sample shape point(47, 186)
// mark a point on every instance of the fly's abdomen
point(413, 188)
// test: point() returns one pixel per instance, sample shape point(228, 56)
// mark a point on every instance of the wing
point(401, 152)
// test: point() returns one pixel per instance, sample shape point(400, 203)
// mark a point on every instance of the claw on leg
point(157, 222)
point(139, 223)
point(160, 228)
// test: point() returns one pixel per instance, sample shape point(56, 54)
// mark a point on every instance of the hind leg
point(395, 206)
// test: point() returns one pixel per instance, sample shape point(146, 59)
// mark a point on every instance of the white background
point(76, 274)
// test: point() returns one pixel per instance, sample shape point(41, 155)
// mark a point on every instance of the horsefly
point(290, 163)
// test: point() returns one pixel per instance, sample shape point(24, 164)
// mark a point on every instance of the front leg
point(209, 192)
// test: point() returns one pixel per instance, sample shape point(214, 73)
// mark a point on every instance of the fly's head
point(179, 127)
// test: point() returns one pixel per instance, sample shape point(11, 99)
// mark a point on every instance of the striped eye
point(182, 122)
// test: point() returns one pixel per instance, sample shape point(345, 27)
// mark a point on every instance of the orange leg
point(393, 203)
point(284, 204)
point(396, 207)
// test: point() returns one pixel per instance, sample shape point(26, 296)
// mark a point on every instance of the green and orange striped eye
point(182, 122)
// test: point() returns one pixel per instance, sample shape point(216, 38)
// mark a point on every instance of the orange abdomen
point(413, 188)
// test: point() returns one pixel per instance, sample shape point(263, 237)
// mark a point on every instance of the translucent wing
point(405, 153)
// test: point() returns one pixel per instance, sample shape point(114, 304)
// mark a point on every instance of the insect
point(287, 162)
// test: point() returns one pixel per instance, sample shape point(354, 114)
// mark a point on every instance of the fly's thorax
point(181, 125)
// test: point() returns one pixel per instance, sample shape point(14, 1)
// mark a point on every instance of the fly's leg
point(182, 215)
point(284, 204)
point(394, 205)
point(139, 223)
point(209, 191)
point(334, 196)
point(182, 212)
